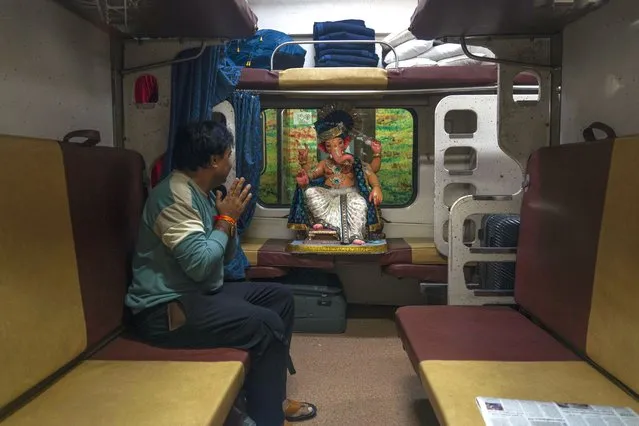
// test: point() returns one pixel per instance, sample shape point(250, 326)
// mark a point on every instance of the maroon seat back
point(558, 238)
point(106, 197)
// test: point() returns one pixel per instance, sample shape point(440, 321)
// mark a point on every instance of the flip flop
point(297, 411)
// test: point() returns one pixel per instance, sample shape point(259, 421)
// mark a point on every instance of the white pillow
point(413, 62)
point(410, 49)
point(457, 61)
point(395, 39)
point(450, 50)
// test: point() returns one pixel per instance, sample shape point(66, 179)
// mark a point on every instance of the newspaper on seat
point(514, 412)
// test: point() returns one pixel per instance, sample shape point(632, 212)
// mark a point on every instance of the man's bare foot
point(318, 226)
point(358, 242)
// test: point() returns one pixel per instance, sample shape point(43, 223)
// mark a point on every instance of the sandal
point(297, 411)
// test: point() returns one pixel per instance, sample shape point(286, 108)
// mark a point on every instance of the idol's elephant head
point(335, 148)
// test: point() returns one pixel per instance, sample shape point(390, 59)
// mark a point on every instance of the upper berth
point(202, 19)
point(418, 62)
point(414, 78)
point(435, 19)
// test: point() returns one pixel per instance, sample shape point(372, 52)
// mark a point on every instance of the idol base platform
point(328, 247)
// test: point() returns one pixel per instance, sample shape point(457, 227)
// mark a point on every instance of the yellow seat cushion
point(424, 252)
point(42, 318)
point(251, 247)
point(362, 78)
point(452, 386)
point(137, 393)
point(614, 316)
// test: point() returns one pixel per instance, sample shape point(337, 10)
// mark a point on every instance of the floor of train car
point(361, 377)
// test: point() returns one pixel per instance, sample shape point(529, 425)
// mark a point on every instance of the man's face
point(221, 167)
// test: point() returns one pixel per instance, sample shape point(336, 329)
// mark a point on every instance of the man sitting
point(178, 295)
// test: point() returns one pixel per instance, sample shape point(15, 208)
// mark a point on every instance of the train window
point(287, 130)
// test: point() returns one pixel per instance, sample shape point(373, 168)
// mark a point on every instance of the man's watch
point(230, 221)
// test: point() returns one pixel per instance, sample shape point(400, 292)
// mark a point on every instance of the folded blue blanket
point(339, 64)
point(323, 28)
point(337, 50)
point(355, 46)
point(350, 59)
point(344, 54)
point(345, 35)
point(359, 22)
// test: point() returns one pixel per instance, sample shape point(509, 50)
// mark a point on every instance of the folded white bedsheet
point(409, 50)
point(395, 39)
point(413, 62)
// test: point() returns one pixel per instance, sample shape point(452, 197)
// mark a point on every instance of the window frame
point(279, 110)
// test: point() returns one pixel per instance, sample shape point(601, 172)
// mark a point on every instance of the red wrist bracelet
point(229, 219)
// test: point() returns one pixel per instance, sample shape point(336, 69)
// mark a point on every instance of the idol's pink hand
point(376, 146)
point(302, 178)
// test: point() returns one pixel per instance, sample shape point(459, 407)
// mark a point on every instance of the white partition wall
point(468, 159)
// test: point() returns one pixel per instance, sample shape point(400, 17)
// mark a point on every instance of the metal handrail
point(365, 92)
point(286, 43)
point(202, 48)
point(153, 65)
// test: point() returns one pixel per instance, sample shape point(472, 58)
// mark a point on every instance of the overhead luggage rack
point(434, 19)
point(157, 19)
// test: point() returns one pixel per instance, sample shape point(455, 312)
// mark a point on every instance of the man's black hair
point(195, 144)
point(218, 117)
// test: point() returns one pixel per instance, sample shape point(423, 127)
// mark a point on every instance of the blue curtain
point(196, 87)
point(248, 157)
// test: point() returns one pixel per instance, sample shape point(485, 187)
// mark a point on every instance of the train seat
point(570, 337)
point(68, 229)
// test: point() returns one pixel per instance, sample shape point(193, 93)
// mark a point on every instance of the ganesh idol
point(341, 193)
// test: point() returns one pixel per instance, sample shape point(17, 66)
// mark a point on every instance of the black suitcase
point(320, 305)
point(319, 309)
point(498, 230)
